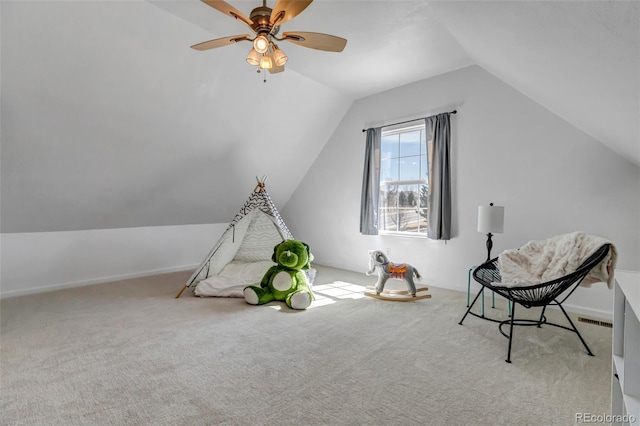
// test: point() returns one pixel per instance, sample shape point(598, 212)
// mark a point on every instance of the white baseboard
point(591, 313)
point(45, 261)
point(595, 302)
point(102, 280)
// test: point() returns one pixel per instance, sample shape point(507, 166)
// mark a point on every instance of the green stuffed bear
point(285, 281)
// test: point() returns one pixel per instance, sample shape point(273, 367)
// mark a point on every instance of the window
point(406, 185)
point(402, 205)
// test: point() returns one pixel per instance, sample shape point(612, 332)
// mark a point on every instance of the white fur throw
point(542, 261)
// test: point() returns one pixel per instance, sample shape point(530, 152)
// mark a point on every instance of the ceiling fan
point(265, 23)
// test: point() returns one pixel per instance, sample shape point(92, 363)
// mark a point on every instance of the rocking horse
point(379, 262)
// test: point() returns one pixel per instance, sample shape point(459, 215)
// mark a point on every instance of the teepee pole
point(260, 186)
point(183, 289)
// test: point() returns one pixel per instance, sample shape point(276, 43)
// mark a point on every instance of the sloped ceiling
point(390, 43)
point(579, 59)
point(110, 120)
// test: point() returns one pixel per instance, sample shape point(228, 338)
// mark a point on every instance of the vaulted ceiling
point(581, 60)
point(110, 120)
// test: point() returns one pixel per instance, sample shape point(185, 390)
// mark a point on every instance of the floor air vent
point(596, 322)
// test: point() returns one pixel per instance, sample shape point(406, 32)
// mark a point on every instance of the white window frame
point(395, 130)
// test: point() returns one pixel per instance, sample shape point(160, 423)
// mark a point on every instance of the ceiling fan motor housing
point(260, 16)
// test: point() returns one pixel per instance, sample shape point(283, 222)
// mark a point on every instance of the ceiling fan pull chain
point(264, 73)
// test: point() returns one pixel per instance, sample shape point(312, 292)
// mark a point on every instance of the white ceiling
point(579, 59)
point(110, 120)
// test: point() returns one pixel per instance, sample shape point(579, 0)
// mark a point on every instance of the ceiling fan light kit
point(253, 58)
point(261, 43)
point(265, 23)
point(279, 56)
point(266, 63)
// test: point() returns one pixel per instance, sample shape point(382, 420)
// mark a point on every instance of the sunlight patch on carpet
point(338, 290)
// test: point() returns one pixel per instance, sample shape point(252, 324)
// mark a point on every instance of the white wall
point(551, 177)
point(44, 261)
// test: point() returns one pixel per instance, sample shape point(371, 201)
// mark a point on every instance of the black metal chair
point(544, 294)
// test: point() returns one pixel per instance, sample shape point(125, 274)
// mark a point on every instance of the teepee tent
point(243, 252)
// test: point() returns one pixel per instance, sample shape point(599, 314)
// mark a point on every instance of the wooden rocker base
point(397, 295)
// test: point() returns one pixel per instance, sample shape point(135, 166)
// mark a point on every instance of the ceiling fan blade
point(219, 42)
point(317, 41)
point(285, 10)
point(227, 9)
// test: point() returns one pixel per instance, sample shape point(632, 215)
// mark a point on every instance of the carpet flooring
point(129, 353)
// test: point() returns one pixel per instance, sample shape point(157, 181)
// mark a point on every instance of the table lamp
point(490, 220)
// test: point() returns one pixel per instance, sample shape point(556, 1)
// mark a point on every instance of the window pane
point(410, 168)
point(388, 211)
point(387, 219)
point(423, 195)
point(389, 146)
point(408, 196)
point(423, 202)
point(408, 220)
point(424, 171)
point(384, 194)
point(406, 212)
point(422, 225)
point(410, 143)
point(391, 196)
point(403, 208)
point(388, 169)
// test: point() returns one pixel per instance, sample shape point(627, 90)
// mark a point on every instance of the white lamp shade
point(490, 219)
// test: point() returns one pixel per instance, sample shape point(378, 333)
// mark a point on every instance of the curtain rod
point(409, 121)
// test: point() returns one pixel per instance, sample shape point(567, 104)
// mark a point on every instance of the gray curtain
point(438, 140)
point(370, 183)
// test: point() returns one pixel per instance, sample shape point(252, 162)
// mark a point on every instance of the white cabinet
point(625, 382)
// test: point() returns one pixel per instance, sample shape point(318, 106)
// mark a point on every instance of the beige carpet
point(128, 353)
